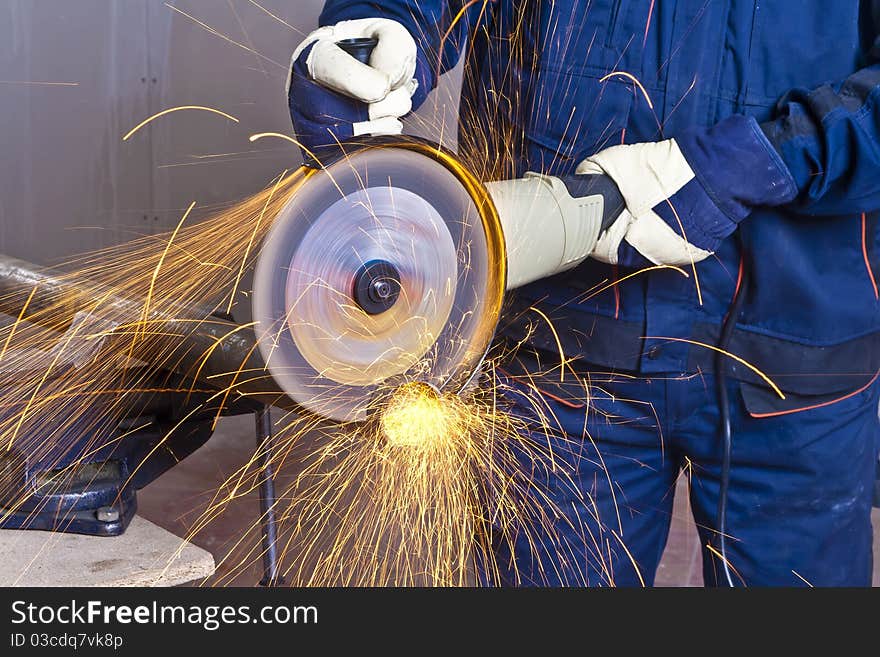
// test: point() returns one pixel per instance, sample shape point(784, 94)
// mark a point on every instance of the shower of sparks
point(78, 362)
point(421, 494)
point(418, 417)
point(417, 496)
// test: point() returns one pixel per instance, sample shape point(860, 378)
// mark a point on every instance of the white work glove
point(683, 196)
point(334, 97)
point(648, 175)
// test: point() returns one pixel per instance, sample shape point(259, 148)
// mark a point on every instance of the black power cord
point(724, 406)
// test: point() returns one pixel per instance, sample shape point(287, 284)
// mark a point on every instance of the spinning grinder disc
point(387, 267)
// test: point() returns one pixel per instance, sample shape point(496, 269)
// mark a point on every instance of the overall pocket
point(762, 402)
point(801, 45)
point(575, 115)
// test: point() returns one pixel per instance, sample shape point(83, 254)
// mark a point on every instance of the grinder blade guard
point(388, 267)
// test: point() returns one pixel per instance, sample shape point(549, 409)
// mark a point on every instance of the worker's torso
point(577, 76)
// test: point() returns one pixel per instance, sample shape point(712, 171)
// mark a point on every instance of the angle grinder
point(390, 264)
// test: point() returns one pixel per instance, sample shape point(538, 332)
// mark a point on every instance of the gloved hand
point(685, 195)
point(334, 97)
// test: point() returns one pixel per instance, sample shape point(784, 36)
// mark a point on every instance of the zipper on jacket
point(614, 23)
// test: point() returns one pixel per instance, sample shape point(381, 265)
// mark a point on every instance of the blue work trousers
point(799, 500)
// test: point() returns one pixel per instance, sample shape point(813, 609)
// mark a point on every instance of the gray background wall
point(68, 183)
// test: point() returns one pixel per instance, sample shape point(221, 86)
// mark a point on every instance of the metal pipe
point(268, 520)
point(228, 351)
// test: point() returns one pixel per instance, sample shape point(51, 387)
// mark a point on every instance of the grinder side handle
point(361, 48)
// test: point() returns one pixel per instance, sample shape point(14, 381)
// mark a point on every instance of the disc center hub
point(376, 286)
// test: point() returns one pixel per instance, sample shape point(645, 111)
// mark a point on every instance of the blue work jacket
point(550, 82)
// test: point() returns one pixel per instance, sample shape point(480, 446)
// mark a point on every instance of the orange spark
point(634, 80)
point(865, 254)
point(727, 561)
point(693, 262)
point(177, 109)
point(726, 353)
point(617, 282)
point(277, 18)
point(159, 264)
point(17, 322)
point(211, 30)
point(558, 343)
point(635, 565)
point(35, 83)
point(802, 578)
point(250, 243)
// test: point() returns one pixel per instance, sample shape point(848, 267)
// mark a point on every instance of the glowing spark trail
point(176, 109)
point(40, 84)
point(279, 135)
point(632, 78)
point(211, 30)
point(276, 17)
point(18, 320)
point(754, 369)
point(645, 270)
point(867, 259)
point(558, 342)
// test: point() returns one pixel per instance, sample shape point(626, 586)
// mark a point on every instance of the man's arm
point(819, 154)
point(334, 97)
point(829, 138)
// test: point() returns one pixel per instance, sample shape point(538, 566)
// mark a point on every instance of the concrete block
point(146, 555)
